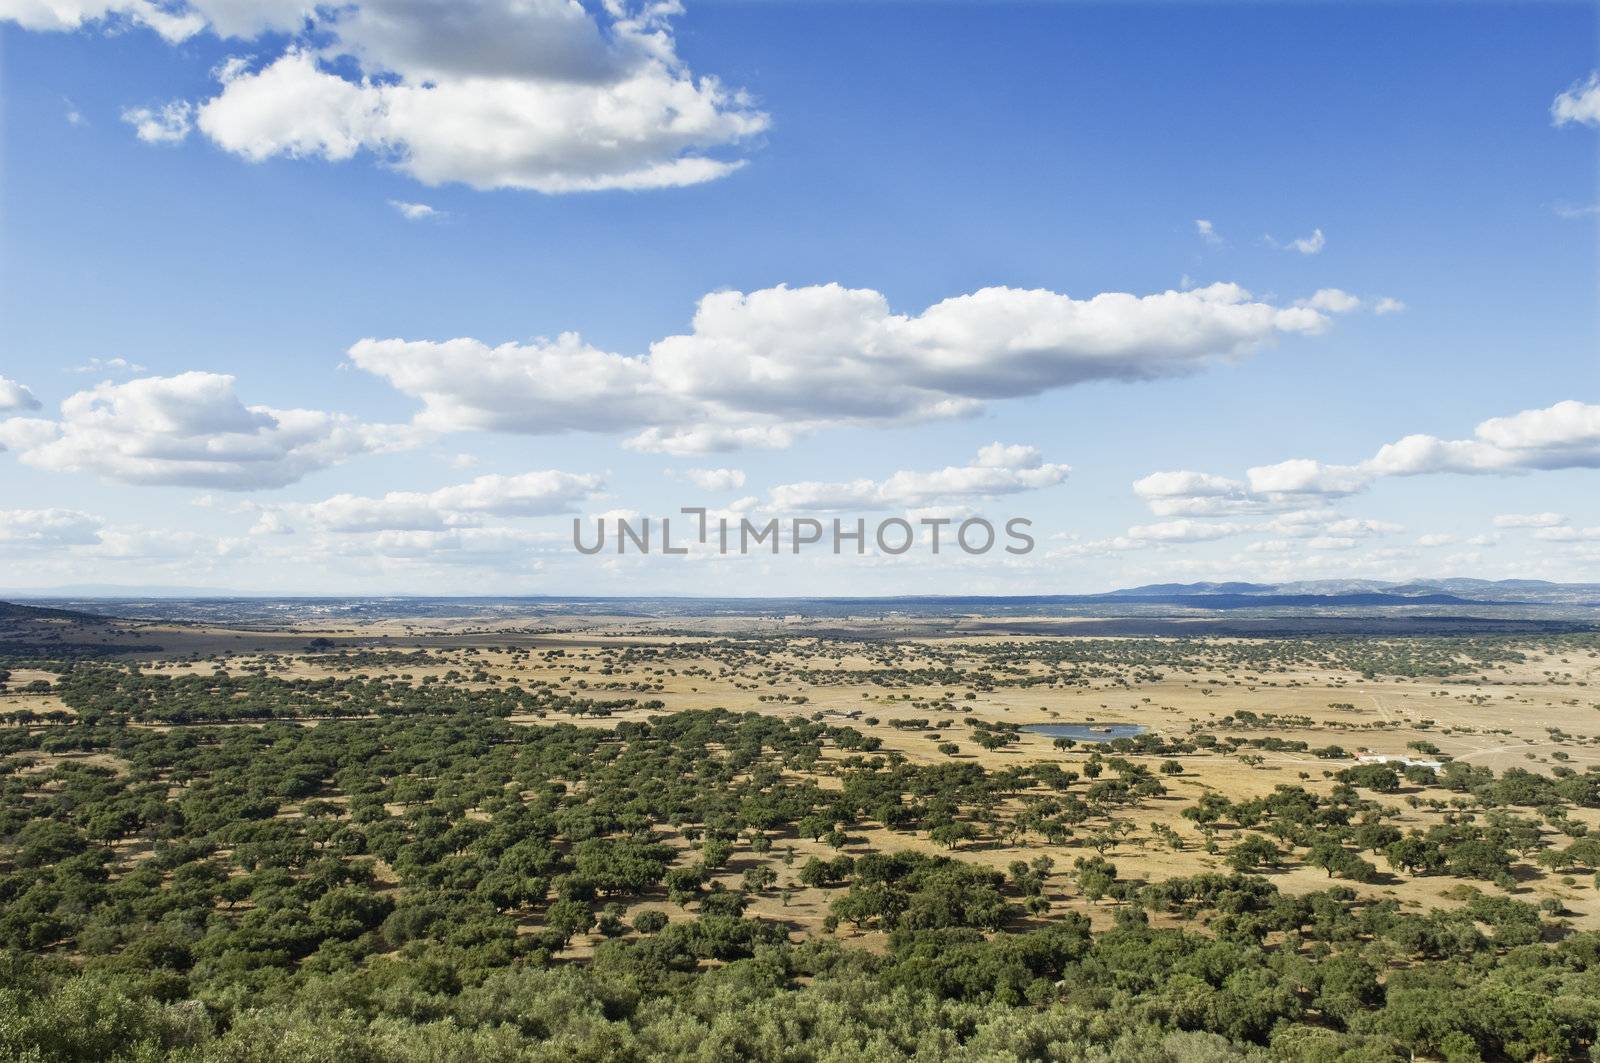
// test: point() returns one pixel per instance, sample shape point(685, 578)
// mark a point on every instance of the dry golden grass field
point(1534, 706)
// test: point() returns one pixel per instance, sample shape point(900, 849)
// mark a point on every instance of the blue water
point(1080, 731)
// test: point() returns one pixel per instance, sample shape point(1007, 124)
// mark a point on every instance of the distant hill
point(1173, 590)
point(118, 590)
point(1282, 599)
point(22, 613)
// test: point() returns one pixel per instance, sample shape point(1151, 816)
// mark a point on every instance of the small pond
point(1087, 732)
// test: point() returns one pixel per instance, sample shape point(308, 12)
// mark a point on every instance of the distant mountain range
point(1432, 603)
point(1414, 592)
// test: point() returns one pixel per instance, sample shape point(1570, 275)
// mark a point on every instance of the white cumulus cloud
point(1305, 245)
point(168, 124)
point(46, 528)
point(760, 369)
point(1529, 520)
point(1567, 534)
point(108, 365)
point(532, 494)
point(1563, 436)
point(1312, 523)
point(413, 211)
point(173, 24)
point(191, 430)
point(1334, 300)
point(1579, 104)
point(14, 397)
point(998, 470)
point(547, 95)
point(715, 479)
point(1185, 531)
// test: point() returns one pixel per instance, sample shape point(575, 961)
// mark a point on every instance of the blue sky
point(922, 151)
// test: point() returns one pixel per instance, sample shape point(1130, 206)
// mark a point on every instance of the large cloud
point(534, 94)
point(190, 429)
point(761, 368)
point(1563, 436)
